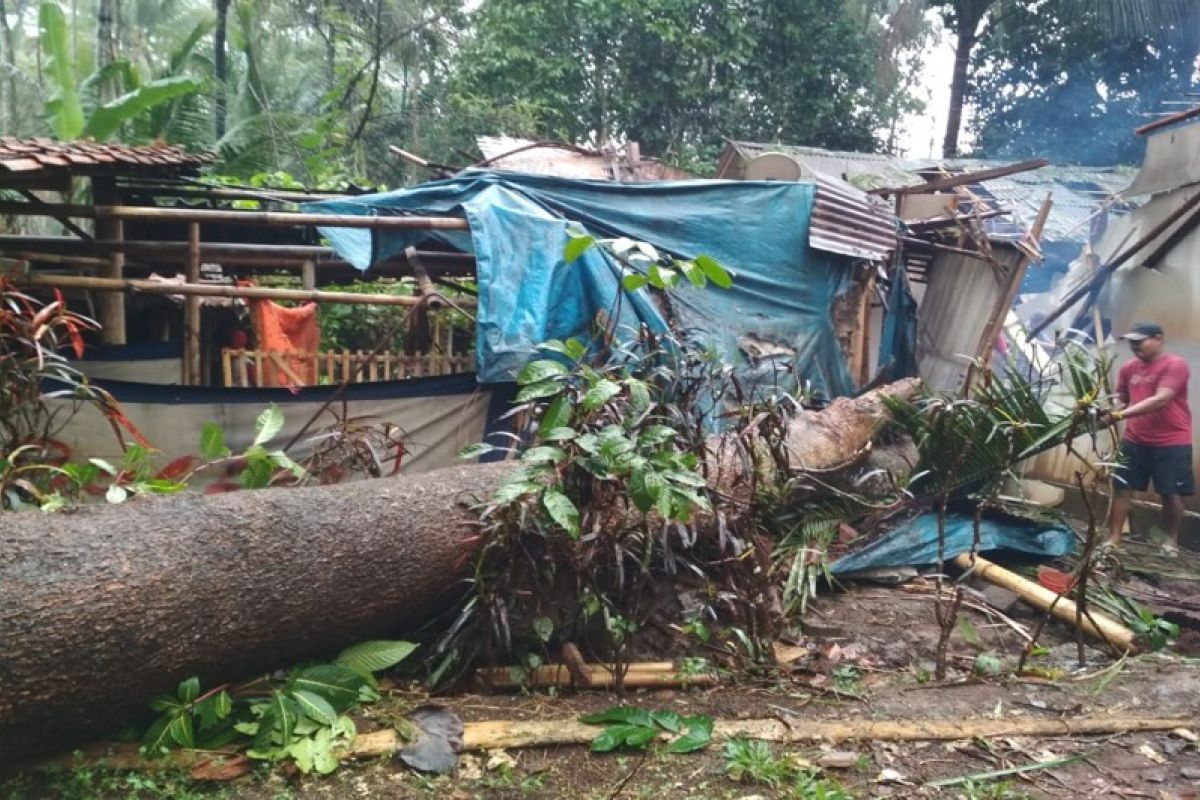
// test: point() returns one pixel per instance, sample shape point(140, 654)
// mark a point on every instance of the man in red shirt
point(1157, 445)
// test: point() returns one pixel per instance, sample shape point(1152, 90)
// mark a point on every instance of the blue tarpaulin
point(915, 543)
point(774, 324)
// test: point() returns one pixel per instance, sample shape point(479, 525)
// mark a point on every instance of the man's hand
point(1109, 417)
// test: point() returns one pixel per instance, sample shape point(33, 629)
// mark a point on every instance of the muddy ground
point(867, 653)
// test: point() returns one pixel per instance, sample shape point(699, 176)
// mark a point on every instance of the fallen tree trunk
point(102, 607)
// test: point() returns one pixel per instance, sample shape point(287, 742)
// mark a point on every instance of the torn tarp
point(774, 324)
point(915, 543)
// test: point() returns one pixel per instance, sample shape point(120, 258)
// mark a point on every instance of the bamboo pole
point(191, 312)
point(226, 367)
point(242, 371)
point(1093, 623)
point(509, 734)
point(594, 676)
point(308, 274)
point(218, 290)
point(218, 216)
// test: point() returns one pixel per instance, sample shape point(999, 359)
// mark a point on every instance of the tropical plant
point(302, 717)
point(629, 727)
point(65, 108)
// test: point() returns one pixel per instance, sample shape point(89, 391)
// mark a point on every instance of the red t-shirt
point(1170, 425)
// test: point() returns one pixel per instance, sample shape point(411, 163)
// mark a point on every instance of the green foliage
point(629, 727)
point(676, 75)
point(1153, 631)
point(64, 109)
point(301, 717)
point(1043, 75)
point(752, 761)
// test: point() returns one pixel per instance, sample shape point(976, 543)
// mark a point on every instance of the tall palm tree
point(966, 20)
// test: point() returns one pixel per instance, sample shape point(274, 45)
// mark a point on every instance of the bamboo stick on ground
point(599, 676)
point(1094, 623)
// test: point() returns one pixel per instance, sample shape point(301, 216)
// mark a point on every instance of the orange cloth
point(293, 330)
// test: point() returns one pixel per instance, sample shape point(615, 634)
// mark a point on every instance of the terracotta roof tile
point(30, 155)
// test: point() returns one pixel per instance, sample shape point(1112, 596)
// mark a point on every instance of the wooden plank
point(191, 312)
point(964, 179)
point(226, 367)
point(242, 371)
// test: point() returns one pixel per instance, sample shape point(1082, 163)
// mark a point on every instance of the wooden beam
point(1012, 285)
point(308, 274)
point(965, 178)
point(66, 223)
point(207, 192)
point(214, 216)
point(191, 311)
point(110, 307)
point(1170, 119)
point(218, 290)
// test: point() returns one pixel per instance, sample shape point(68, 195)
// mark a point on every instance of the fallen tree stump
point(103, 607)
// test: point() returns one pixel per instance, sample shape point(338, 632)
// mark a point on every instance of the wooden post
point(308, 275)
point(226, 367)
point(191, 311)
point(110, 306)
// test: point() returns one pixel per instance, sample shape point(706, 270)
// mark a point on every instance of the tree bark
point(106, 45)
point(104, 606)
point(219, 69)
point(969, 17)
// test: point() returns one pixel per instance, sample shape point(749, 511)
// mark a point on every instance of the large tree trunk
point(219, 68)
point(102, 607)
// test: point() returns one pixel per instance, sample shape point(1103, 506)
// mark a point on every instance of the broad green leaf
point(258, 471)
point(544, 628)
point(106, 121)
point(560, 435)
point(562, 510)
point(577, 246)
point(212, 442)
point(631, 715)
point(693, 273)
point(645, 487)
point(639, 395)
point(336, 684)
point(714, 271)
point(213, 709)
point(302, 753)
point(572, 348)
point(164, 702)
point(280, 716)
point(668, 720)
point(536, 390)
point(181, 731)
point(615, 736)
point(375, 656)
point(511, 491)
point(63, 107)
point(268, 425)
point(188, 690)
point(103, 465)
point(476, 450)
point(663, 277)
point(557, 415)
point(541, 370)
point(656, 434)
point(157, 738)
point(284, 461)
point(543, 454)
point(600, 394)
point(315, 707)
point(634, 281)
point(697, 735)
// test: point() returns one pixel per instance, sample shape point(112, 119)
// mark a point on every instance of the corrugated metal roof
point(31, 157)
point(1077, 191)
point(848, 221)
point(571, 162)
point(1172, 161)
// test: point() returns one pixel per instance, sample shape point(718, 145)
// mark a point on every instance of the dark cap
point(1143, 330)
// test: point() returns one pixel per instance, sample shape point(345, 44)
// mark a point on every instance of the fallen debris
point(594, 676)
point(1094, 623)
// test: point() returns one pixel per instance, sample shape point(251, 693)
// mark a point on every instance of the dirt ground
point(866, 653)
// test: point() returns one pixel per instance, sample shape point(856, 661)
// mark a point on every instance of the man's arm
point(1159, 399)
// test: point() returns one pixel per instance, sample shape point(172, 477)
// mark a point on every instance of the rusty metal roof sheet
point(1077, 191)
point(848, 221)
point(27, 157)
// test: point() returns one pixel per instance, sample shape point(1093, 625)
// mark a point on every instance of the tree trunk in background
point(219, 68)
point(104, 606)
point(969, 18)
point(8, 83)
point(106, 45)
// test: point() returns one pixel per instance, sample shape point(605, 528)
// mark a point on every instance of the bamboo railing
point(257, 368)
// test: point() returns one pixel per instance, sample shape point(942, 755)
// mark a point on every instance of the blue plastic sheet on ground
point(774, 325)
point(915, 543)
